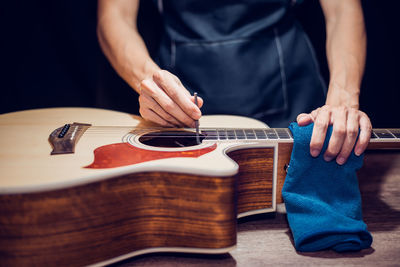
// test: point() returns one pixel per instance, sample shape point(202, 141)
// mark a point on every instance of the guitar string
point(170, 128)
point(112, 128)
point(166, 130)
point(117, 127)
point(118, 130)
point(109, 130)
point(191, 136)
point(106, 129)
point(186, 134)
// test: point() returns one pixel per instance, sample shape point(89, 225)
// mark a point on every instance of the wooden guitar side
point(255, 180)
point(121, 216)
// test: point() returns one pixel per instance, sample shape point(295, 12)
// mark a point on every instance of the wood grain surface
point(95, 222)
point(383, 145)
point(254, 178)
point(284, 153)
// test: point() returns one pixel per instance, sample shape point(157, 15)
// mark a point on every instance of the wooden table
point(266, 241)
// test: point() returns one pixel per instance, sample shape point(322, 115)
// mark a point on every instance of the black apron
point(246, 57)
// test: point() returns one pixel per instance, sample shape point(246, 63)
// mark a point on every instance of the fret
point(210, 134)
point(282, 133)
point(384, 139)
point(231, 134)
point(222, 135)
point(385, 135)
point(382, 133)
point(395, 132)
point(250, 134)
point(290, 133)
point(240, 134)
point(260, 134)
point(271, 134)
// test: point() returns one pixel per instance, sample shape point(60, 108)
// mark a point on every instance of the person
point(248, 58)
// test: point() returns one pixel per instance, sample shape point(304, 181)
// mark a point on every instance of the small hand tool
point(197, 122)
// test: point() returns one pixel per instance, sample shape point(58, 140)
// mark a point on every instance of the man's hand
point(346, 124)
point(164, 100)
point(162, 97)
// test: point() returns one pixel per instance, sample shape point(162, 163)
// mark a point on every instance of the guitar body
point(115, 197)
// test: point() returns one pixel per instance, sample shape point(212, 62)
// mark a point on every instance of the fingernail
point(358, 152)
point(328, 158)
point(315, 153)
point(340, 160)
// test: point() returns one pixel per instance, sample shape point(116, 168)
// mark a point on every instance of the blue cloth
point(322, 199)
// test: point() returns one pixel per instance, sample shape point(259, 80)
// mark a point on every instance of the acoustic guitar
point(84, 186)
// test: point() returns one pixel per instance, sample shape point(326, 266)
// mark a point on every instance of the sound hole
point(170, 139)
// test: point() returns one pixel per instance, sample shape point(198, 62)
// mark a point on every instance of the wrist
point(146, 71)
point(340, 94)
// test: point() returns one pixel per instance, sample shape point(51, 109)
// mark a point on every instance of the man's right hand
point(162, 97)
point(165, 101)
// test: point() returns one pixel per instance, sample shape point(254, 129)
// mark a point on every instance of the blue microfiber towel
point(322, 199)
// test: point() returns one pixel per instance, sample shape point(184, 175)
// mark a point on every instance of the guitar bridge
point(64, 139)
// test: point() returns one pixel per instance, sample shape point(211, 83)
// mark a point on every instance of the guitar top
point(28, 166)
point(31, 162)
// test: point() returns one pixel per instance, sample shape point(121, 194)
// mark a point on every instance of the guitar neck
point(380, 138)
point(384, 139)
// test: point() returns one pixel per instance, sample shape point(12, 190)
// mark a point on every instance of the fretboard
point(385, 134)
point(283, 134)
point(247, 134)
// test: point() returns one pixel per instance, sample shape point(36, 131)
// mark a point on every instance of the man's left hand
point(346, 124)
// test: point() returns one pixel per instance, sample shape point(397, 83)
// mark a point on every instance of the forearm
point(345, 48)
point(122, 44)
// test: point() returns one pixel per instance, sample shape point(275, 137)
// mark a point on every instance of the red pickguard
point(123, 154)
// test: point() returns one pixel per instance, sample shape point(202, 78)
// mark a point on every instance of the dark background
point(51, 57)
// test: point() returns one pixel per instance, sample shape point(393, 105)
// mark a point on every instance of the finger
point(304, 119)
point(178, 93)
point(319, 131)
point(365, 134)
point(147, 102)
point(351, 136)
point(314, 113)
point(150, 115)
point(176, 79)
point(200, 101)
point(166, 103)
point(338, 133)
